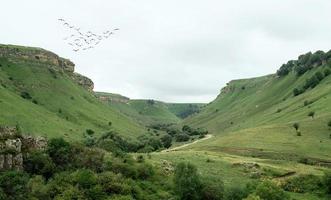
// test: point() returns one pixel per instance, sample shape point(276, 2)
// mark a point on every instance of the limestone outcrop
point(14, 146)
point(48, 59)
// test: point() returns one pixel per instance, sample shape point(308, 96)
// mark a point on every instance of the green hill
point(252, 124)
point(258, 114)
point(41, 92)
point(149, 112)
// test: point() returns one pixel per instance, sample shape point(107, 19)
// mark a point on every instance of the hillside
point(41, 93)
point(149, 112)
point(256, 116)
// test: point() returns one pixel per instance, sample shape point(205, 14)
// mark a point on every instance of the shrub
point(14, 185)
point(327, 72)
point(311, 114)
point(187, 182)
point(60, 152)
point(89, 132)
point(39, 163)
point(327, 182)
point(182, 137)
point(236, 193)
point(212, 190)
point(145, 171)
point(297, 91)
point(25, 95)
point(110, 123)
point(329, 124)
point(319, 76)
point(303, 184)
point(296, 126)
point(298, 133)
point(166, 141)
point(269, 191)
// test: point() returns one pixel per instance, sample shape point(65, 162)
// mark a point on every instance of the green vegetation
point(53, 107)
point(149, 112)
point(106, 146)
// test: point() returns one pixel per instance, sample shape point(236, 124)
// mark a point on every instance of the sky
point(173, 50)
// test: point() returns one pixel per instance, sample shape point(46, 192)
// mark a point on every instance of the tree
point(14, 185)
point(311, 114)
point(269, 191)
point(182, 137)
point(166, 141)
point(329, 124)
point(296, 126)
point(39, 163)
point(187, 182)
point(60, 152)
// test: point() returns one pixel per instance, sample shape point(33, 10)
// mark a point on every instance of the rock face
point(47, 58)
point(83, 81)
point(13, 146)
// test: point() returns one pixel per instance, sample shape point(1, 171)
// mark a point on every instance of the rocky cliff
point(14, 147)
point(48, 59)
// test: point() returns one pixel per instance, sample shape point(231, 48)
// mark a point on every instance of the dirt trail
point(188, 144)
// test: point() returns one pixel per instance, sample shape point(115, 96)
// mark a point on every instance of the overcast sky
point(173, 50)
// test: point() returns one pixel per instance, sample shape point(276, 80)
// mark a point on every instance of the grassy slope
point(247, 119)
point(248, 129)
point(80, 110)
point(145, 112)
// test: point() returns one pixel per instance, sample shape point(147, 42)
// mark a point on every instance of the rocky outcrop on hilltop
point(83, 81)
point(14, 147)
point(47, 58)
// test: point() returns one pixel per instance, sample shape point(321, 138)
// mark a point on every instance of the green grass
point(63, 109)
point(260, 118)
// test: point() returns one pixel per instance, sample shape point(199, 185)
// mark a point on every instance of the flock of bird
point(79, 40)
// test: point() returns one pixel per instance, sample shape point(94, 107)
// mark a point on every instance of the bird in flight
point(83, 40)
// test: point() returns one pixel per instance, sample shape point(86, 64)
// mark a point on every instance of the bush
point(187, 182)
point(303, 184)
point(296, 126)
point(26, 95)
point(329, 124)
point(212, 190)
point(182, 137)
point(311, 114)
point(166, 141)
point(252, 197)
point(327, 182)
point(40, 164)
point(269, 191)
point(14, 185)
point(327, 72)
point(297, 91)
point(60, 152)
point(236, 193)
point(89, 132)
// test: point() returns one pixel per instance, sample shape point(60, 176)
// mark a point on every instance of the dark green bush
point(166, 141)
point(14, 185)
point(39, 163)
point(187, 182)
point(26, 95)
point(182, 137)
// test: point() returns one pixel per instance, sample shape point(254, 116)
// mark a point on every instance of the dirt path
point(188, 144)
